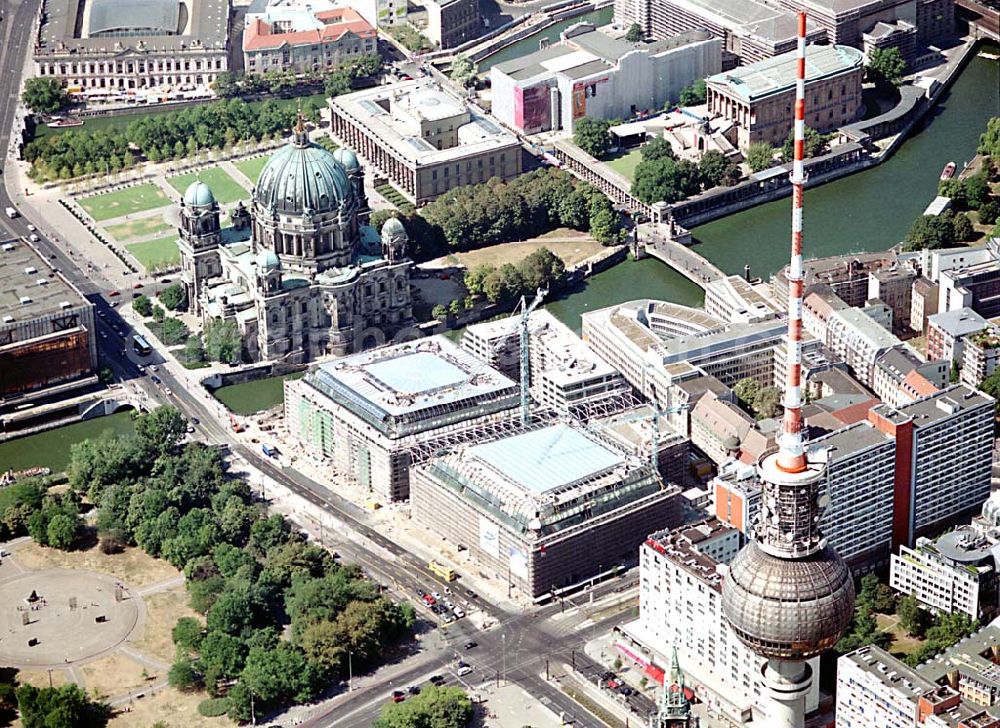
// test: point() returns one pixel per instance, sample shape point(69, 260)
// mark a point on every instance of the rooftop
point(953, 399)
point(30, 287)
point(867, 327)
point(776, 75)
point(849, 441)
point(304, 28)
point(123, 23)
point(396, 113)
point(750, 18)
point(544, 460)
point(959, 322)
point(680, 546)
point(414, 386)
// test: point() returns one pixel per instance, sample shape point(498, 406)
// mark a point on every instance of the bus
point(141, 346)
point(443, 571)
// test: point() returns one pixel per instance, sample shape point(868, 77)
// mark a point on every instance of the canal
point(50, 449)
point(254, 396)
point(871, 210)
point(530, 44)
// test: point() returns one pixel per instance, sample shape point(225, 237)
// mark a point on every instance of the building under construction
point(375, 413)
point(47, 334)
point(544, 509)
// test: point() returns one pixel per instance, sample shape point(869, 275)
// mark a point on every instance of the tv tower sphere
point(787, 595)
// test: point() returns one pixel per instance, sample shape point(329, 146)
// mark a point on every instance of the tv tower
point(787, 595)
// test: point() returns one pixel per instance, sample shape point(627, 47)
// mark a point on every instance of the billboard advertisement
point(489, 537)
point(532, 112)
point(582, 90)
point(518, 562)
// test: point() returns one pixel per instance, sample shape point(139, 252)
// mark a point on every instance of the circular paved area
point(65, 635)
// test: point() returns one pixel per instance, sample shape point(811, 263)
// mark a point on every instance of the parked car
point(458, 612)
point(168, 391)
point(429, 600)
point(436, 679)
point(154, 379)
point(413, 690)
point(626, 690)
point(398, 696)
point(447, 617)
point(470, 644)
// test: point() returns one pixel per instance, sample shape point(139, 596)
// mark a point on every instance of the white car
point(437, 597)
point(31, 227)
point(458, 612)
point(168, 391)
point(464, 670)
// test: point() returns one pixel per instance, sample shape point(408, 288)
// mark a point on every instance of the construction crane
point(525, 359)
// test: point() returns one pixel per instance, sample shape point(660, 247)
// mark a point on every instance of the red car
point(112, 294)
point(429, 600)
point(398, 696)
point(612, 684)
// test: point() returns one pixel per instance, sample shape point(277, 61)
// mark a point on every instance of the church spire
point(674, 711)
point(301, 136)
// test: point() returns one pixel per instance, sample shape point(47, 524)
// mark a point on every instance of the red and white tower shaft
point(791, 455)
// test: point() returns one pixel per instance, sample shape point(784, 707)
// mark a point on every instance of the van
point(11, 212)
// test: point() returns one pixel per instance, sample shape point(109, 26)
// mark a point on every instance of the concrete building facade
point(104, 49)
point(451, 23)
point(947, 331)
point(591, 74)
point(423, 138)
point(544, 510)
point(758, 98)
point(48, 334)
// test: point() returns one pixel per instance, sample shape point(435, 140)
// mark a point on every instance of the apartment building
point(451, 23)
point(859, 340)
point(980, 356)
point(946, 332)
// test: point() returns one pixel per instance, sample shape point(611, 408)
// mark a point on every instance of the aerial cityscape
point(500, 363)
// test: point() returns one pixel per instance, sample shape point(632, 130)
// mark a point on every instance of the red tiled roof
point(919, 384)
point(259, 36)
point(856, 412)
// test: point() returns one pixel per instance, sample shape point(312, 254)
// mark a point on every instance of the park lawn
point(170, 707)
point(902, 643)
point(133, 565)
point(163, 609)
point(253, 166)
point(160, 252)
point(223, 186)
point(625, 164)
point(126, 232)
point(578, 247)
point(113, 676)
point(107, 205)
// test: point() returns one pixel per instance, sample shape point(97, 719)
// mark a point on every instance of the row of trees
point(939, 231)
point(248, 575)
point(540, 269)
point(434, 707)
point(475, 216)
point(157, 137)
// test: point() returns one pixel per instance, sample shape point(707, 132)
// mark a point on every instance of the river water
point(868, 211)
point(530, 44)
point(51, 448)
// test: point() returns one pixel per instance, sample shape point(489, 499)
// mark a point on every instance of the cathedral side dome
point(267, 260)
point(199, 194)
point(393, 228)
point(348, 159)
point(302, 176)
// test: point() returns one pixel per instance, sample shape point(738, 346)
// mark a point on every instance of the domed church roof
point(347, 159)
point(199, 194)
point(267, 260)
point(302, 176)
point(393, 228)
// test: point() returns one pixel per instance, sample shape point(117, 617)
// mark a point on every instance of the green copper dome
point(348, 159)
point(302, 176)
point(198, 194)
point(267, 260)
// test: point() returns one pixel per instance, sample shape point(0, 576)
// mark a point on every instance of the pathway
point(237, 174)
point(161, 587)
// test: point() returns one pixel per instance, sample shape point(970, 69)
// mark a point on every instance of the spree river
point(868, 211)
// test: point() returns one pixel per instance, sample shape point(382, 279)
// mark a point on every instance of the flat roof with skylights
point(416, 386)
point(30, 287)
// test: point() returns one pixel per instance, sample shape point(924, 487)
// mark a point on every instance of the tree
point(540, 268)
point(931, 231)
point(977, 190)
point(194, 350)
point(592, 136)
point(280, 675)
point(62, 531)
point(223, 341)
point(767, 402)
point(142, 305)
point(759, 156)
point(694, 93)
point(337, 83)
point(323, 644)
point(815, 144)
point(225, 85)
point(439, 312)
point(174, 297)
point(187, 634)
point(989, 140)
point(912, 617)
point(877, 595)
point(161, 430)
point(455, 307)
point(463, 70)
point(44, 95)
point(954, 189)
point(989, 212)
point(715, 169)
point(183, 675)
point(440, 707)
point(221, 656)
point(665, 180)
point(634, 33)
point(62, 707)
point(962, 226)
point(605, 226)
point(885, 66)
point(173, 331)
point(656, 148)
point(746, 390)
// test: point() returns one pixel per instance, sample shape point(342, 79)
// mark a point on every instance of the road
point(516, 648)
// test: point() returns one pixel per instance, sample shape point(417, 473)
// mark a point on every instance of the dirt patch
point(570, 245)
point(112, 676)
point(133, 566)
point(902, 643)
point(169, 706)
point(40, 678)
point(163, 609)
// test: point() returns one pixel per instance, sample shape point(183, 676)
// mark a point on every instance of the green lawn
point(223, 186)
point(253, 166)
point(124, 202)
point(156, 253)
point(625, 164)
point(126, 232)
point(396, 197)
